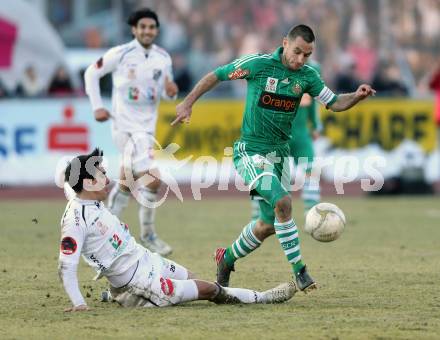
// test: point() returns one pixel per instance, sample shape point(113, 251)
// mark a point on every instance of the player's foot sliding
point(279, 294)
point(305, 281)
point(223, 270)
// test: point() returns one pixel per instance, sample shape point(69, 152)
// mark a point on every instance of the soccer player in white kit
point(141, 73)
point(138, 277)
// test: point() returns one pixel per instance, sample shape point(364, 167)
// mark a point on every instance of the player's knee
point(263, 230)
point(124, 188)
point(283, 207)
point(151, 179)
point(154, 185)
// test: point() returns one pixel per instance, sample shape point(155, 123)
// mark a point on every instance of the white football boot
point(279, 294)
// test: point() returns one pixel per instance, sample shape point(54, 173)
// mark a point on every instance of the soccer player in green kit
point(275, 85)
point(306, 127)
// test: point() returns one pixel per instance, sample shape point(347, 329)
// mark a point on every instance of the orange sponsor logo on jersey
point(277, 102)
point(238, 74)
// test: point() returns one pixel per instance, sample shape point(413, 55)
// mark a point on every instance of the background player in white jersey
point(138, 278)
point(141, 74)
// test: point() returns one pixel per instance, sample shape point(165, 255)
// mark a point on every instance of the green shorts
point(265, 170)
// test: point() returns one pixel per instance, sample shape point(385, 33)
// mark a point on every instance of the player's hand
point(306, 100)
point(171, 88)
point(364, 91)
point(183, 114)
point(80, 308)
point(101, 115)
point(315, 134)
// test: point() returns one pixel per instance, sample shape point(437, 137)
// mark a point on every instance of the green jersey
point(307, 115)
point(273, 95)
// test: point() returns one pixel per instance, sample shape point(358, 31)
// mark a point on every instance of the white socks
point(147, 214)
point(118, 200)
point(244, 295)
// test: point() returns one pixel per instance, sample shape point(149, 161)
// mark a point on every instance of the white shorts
point(154, 284)
point(136, 150)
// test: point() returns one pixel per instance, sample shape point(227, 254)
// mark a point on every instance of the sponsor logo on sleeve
point(68, 245)
point(167, 287)
point(238, 74)
point(277, 102)
point(271, 84)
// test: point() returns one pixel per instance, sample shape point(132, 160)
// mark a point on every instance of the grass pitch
point(380, 280)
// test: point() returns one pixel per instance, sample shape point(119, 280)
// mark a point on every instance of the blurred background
point(393, 45)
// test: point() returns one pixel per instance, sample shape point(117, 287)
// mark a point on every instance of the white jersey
point(90, 230)
point(138, 83)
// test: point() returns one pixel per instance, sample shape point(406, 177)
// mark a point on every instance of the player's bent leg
point(250, 238)
point(242, 246)
point(168, 292)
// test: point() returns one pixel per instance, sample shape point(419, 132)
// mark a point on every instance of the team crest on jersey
point(297, 89)
point(271, 84)
point(68, 245)
point(156, 74)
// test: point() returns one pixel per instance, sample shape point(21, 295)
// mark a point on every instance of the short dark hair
point(302, 31)
point(82, 167)
point(142, 13)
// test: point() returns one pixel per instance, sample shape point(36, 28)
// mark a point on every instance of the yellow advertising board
point(215, 124)
point(383, 121)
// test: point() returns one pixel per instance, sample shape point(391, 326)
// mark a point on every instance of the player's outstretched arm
point(348, 100)
point(68, 274)
point(184, 109)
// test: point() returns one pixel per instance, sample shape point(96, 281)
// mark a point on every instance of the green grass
point(380, 280)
